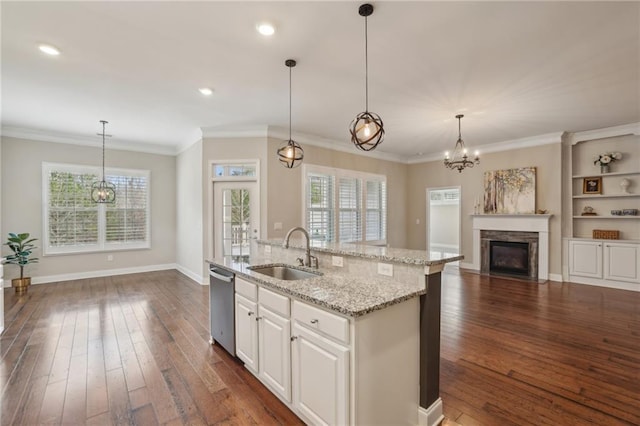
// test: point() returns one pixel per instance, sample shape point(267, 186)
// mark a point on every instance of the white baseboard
point(466, 265)
point(431, 416)
point(620, 285)
point(555, 277)
point(189, 273)
point(100, 273)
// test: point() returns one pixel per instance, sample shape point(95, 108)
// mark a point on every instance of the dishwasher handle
point(216, 274)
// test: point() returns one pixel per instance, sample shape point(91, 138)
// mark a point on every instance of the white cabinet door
point(320, 378)
point(274, 347)
point(247, 332)
point(622, 262)
point(585, 258)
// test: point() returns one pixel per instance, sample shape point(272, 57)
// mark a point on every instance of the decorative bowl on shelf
point(630, 212)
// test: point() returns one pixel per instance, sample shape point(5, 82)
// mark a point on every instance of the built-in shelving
point(607, 217)
point(607, 196)
point(606, 174)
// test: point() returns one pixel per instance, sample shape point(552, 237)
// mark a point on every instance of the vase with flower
point(604, 160)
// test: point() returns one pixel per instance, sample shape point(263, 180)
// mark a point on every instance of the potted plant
point(604, 160)
point(22, 247)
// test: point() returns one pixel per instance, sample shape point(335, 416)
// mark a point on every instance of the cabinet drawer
point(274, 301)
point(247, 289)
point(317, 319)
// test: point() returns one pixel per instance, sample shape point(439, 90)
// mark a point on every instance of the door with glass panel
point(236, 216)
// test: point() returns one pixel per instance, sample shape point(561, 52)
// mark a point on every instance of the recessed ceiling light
point(49, 50)
point(265, 29)
point(206, 91)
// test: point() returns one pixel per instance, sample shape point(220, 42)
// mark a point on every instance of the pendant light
point(460, 159)
point(291, 153)
point(103, 191)
point(367, 129)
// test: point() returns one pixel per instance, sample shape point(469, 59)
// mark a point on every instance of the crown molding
point(529, 142)
point(607, 132)
point(84, 140)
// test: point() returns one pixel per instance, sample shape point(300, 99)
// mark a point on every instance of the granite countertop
point(385, 254)
point(350, 295)
point(342, 293)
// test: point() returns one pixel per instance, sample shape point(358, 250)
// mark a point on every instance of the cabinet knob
point(293, 338)
point(258, 318)
point(314, 321)
point(250, 313)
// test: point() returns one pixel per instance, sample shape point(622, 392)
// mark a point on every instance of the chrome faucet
point(308, 257)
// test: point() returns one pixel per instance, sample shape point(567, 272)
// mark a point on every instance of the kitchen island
point(358, 344)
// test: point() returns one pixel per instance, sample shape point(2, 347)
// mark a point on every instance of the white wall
point(189, 232)
point(22, 208)
point(444, 225)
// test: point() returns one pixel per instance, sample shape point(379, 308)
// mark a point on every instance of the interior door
point(236, 218)
point(443, 220)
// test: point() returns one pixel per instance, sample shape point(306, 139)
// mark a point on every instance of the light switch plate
point(267, 249)
point(337, 261)
point(277, 226)
point(385, 269)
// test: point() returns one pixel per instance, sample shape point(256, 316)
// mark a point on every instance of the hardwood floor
point(129, 349)
point(134, 350)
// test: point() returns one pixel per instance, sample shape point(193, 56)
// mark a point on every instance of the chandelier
point(103, 191)
point(367, 129)
point(460, 160)
point(291, 153)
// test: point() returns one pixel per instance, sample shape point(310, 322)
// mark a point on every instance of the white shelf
point(607, 196)
point(627, 217)
point(606, 174)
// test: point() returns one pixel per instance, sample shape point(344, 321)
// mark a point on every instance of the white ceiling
point(516, 69)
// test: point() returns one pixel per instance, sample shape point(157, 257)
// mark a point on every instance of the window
point(73, 223)
point(234, 171)
point(343, 205)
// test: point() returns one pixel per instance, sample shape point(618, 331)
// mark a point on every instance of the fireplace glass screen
point(509, 257)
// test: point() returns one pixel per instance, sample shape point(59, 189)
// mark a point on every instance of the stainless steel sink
point(284, 272)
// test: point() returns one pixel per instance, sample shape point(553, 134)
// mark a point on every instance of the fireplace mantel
point(514, 222)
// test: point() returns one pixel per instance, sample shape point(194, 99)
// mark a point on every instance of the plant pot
point(21, 284)
point(604, 168)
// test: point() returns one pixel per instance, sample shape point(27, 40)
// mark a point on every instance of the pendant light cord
point(103, 123)
point(290, 103)
point(366, 67)
point(459, 131)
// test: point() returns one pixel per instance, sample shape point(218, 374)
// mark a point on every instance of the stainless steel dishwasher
point(222, 308)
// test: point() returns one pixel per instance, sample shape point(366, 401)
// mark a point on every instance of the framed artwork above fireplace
point(510, 191)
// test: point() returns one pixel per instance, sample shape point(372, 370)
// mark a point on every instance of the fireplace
point(509, 257)
point(511, 253)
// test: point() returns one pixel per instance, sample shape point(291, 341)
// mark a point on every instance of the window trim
point(337, 174)
point(102, 245)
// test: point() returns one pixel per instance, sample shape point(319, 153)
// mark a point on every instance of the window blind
point(376, 202)
point(349, 209)
point(73, 223)
point(319, 207)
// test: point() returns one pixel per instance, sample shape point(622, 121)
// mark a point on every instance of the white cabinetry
point(320, 367)
point(327, 368)
point(263, 333)
point(621, 262)
point(247, 332)
point(606, 263)
point(585, 258)
point(274, 342)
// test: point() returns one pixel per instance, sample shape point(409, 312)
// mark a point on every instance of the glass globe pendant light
point(291, 153)
point(103, 191)
point(367, 129)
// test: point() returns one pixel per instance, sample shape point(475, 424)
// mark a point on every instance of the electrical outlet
point(267, 249)
point(337, 261)
point(385, 269)
point(109, 258)
point(277, 226)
